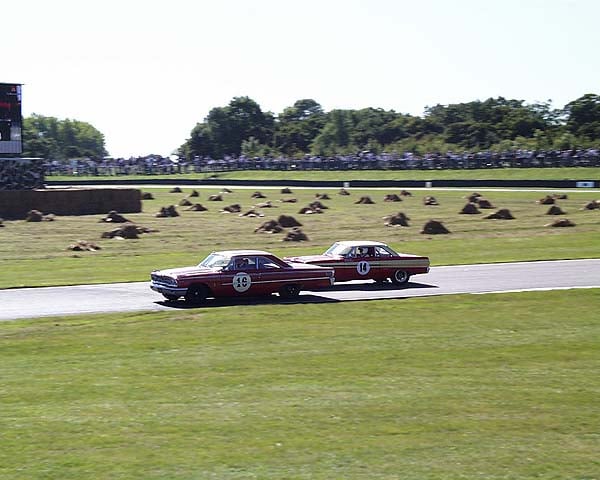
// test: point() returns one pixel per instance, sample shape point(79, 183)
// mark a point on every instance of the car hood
point(314, 258)
point(184, 271)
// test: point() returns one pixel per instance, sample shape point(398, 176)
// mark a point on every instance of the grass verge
point(497, 386)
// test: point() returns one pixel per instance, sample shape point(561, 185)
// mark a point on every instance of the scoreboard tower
point(11, 121)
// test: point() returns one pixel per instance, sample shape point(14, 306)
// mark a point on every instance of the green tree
point(583, 116)
point(297, 126)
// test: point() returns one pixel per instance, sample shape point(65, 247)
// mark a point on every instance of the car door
point(241, 277)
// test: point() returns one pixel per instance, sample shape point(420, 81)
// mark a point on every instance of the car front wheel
point(196, 294)
point(289, 291)
point(400, 277)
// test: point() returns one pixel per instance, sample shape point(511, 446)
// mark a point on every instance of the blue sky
point(145, 72)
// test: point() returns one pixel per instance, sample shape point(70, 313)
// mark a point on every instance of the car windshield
point(338, 249)
point(214, 260)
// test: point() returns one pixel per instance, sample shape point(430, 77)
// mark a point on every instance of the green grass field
point(35, 254)
point(492, 387)
point(568, 173)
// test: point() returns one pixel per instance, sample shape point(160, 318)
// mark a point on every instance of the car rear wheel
point(289, 291)
point(400, 277)
point(196, 294)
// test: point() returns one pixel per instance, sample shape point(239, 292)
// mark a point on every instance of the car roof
point(232, 253)
point(361, 243)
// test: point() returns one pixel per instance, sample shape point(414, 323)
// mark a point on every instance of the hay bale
point(470, 209)
point(226, 190)
point(34, 216)
point(563, 222)
point(405, 193)
point(434, 227)
point(288, 200)
point(343, 191)
point(287, 221)
point(267, 204)
point(547, 200)
point(322, 196)
point(295, 235)
point(400, 219)
point(215, 198)
point(270, 226)
point(555, 210)
point(185, 203)
point(233, 208)
point(430, 200)
point(197, 207)
point(560, 196)
point(318, 205)
point(392, 197)
point(175, 190)
point(169, 211)
point(147, 196)
point(366, 200)
point(473, 197)
point(258, 195)
point(502, 214)
point(286, 190)
point(194, 194)
point(127, 231)
point(114, 217)
point(1, 222)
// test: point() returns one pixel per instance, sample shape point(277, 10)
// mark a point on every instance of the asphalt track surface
point(473, 279)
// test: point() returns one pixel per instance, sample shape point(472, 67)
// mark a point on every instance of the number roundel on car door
point(363, 267)
point(241, 282)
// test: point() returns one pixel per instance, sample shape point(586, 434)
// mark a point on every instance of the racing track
point(476, 279)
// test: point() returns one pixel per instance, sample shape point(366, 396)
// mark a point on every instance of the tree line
point(243, 128)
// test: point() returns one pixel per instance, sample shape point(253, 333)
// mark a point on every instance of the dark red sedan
point(239, 273)
point(362, 260)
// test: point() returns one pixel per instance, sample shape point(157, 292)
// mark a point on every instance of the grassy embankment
point(570, 173)
point(491, 387)
point(35, 254)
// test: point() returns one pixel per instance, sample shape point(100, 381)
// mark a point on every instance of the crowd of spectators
point(158, 165)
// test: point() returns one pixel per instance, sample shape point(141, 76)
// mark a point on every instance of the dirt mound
point(392, 197)
point(169, 211)
point(295, 235)
point(470, 209)
point(429, 200)
point(197, 207)
point(593, 205)
point(147, 196)
point(194, 194)
point(399, 219)
point(309, 210)
point(258, 195)
point(433, 227)
point(233, 208)
point(563, 222)
point(365, 201)
point(127, 231)
point(405, 193)
point(288, 200)
point(252, 213)
point(318, 204)
point(473, 197)
point(83, 246)
point(184, 203)
point(286, 190)
point(287, 221)
point(322, 196)
point(547, 200)
point(37, 216)
point(175, 190)
point(502, 214)
point(484, 203)
point(114, 217)
point(270, 226)
point(266, 204)
point(215, 197)
point(555, 210)
point(343, 191)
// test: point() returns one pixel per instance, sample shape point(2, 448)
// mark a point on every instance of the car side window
point(265, 263)
point(382, 252)
point(244, 263)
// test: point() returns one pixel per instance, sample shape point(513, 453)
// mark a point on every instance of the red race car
point(363, 260)
point(239, 273)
